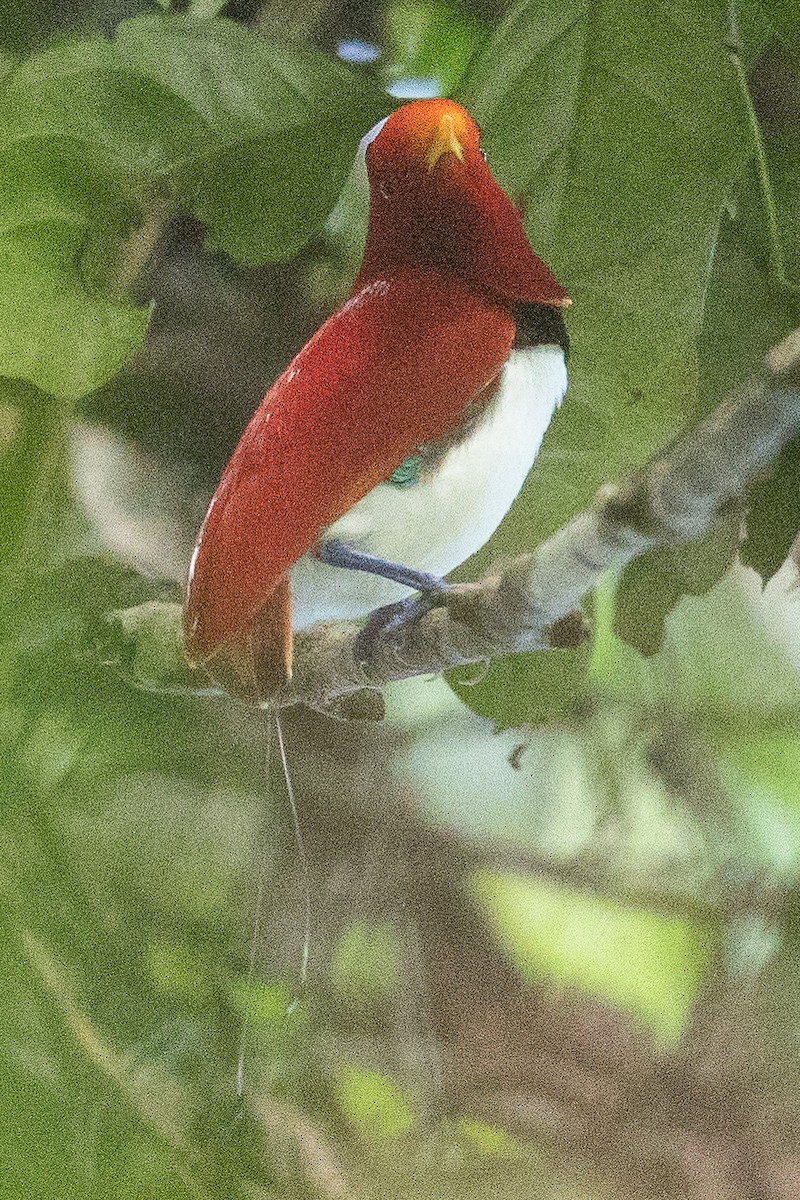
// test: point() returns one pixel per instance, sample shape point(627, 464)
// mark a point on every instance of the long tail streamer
point(302, 978)
point(302, 858)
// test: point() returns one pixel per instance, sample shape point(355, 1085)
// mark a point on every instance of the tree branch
point(532, 603)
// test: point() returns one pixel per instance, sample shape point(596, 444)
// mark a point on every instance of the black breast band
point(540, 325)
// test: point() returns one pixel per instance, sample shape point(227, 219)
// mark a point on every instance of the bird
point(394, 443)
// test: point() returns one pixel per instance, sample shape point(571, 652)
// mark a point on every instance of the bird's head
point(434, 203)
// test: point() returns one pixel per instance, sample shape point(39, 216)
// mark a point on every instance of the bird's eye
point(386, 189)
point(484, 155)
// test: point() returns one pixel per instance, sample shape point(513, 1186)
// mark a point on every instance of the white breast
point(440, 522)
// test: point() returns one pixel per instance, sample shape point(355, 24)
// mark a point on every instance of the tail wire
point(275, 732)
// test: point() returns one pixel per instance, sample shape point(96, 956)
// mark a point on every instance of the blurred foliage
point(645, 964)
point(373, 1103)
point(557, 961)
point(431, 42)
point(99, 136)
point(651, 586)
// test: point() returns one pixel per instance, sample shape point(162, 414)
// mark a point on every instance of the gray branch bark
point(532, 603)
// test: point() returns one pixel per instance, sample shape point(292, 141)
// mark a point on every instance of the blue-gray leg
point(336, 554)
point(387, 620)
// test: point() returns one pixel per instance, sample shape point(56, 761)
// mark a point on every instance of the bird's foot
point(386, 623)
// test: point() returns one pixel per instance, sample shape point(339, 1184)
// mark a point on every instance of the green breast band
point(408, 473)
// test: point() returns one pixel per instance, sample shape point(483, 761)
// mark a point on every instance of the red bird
point(397, 439)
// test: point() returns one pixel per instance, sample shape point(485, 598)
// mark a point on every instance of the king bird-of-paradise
point(395, 442)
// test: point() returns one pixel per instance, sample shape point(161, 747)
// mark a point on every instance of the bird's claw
point(385, 623)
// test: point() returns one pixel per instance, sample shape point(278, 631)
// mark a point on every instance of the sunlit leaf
point(373, 1102)
point(760, 770)
point(648, 965)
point(266, 1004)
point(431, 40)
point(488, 1139)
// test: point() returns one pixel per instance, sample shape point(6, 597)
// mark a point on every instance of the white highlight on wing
point(437, 524)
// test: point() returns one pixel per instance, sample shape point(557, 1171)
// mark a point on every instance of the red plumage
point(395, 367)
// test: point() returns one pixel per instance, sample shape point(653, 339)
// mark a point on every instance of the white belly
point(437, 524)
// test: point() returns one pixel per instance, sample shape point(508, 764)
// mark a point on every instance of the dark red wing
point(395, 367)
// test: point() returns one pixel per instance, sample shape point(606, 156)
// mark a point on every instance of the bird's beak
point(444, 142)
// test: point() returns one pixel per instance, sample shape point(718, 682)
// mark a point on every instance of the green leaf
point(729, 656)
point(253, 137)
point(147, 642)
point(620, 127)
point(648, 965)
point(26, 23)
point(53, 331)
point(785, 21)
point(745, 313)
point(525, 689)
point(783, 160)
point(652, 585)
point(50, 618)
point(280, 125)
point(773, 518)
point(63, 219)
point(28, 448)
point(639, 135)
